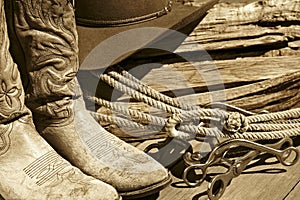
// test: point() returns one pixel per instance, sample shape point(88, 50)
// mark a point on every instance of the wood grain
point(179, 76)
point(271, 181)
point(248, 28)
point(294, 193)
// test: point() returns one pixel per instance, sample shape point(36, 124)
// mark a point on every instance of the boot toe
point(149, 184)
point(136, 174)
point(97, 190)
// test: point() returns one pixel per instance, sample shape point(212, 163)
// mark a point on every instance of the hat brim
point(180, 17)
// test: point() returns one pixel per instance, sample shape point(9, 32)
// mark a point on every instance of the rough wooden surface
point(234, 75)
point(262, 182)
point(253, 70)
point(257, 27)
point(294, 193)
point(247, 42)
point(248, 28)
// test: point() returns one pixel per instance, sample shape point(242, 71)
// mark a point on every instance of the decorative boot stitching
point(10, 81)
point(47, 168)
point(50, 31)
point(11, 93)
point(9, 97)
point(59, 109)
point(101, 147)
point(113, 148)
point(5, 131)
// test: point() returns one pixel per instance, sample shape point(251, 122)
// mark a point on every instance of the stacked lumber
point(265, 28)
point(248, 43)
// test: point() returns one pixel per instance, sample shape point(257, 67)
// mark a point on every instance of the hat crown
point(119, 12)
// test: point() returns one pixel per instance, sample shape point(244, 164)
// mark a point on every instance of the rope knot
point(171, 127)
point(235, 123)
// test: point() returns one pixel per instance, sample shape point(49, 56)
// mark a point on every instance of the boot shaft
point(11, 90)
point(46, 32)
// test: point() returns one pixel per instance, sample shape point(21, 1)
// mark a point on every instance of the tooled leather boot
point(29, 167)
point(46, 32)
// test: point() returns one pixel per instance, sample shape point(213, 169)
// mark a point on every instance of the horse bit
point(283, 150)
point(233, 154)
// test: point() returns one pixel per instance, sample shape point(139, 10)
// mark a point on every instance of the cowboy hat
point(100, 25)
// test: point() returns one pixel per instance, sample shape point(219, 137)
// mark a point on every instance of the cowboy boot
point(29, 167)
point(46, 31)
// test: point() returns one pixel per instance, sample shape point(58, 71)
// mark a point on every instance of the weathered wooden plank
point(251, 28)
point(230, 32)
point(253, 11)
point(276, 101)
point(245, 25)
point(242, 78)
point(265, 40)
point(243, 91)
point(294, 193)
point(185, 76)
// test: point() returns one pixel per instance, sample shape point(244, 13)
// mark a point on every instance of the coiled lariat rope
point(181, 123)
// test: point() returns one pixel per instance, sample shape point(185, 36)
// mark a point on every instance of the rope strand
point(155, 120)
point(186, 115)
point(121, 122)
point(157, 95)
point(272, 127)
point(282, 115)
point(145, 90)
point(266, 135)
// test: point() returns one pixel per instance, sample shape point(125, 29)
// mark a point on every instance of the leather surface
point(116, 12)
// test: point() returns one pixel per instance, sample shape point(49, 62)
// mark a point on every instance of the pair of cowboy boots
point(43, 41)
